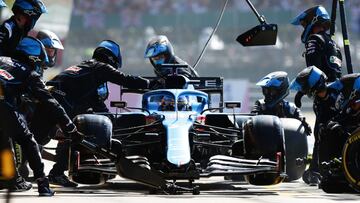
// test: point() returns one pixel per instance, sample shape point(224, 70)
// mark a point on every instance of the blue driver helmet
point(31, 8)
point(33, 51)
point(313, 16)
point(159, 50)
point(309, 81)
point(275, 87)
point(109, 52)
point(51, 42)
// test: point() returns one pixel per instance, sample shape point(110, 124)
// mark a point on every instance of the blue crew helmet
point(32, 51)
point(313, 16)
point(2, 4)
point(51, 43)
point(159, 45)
point(30, 8)
point(275, 87)
point(310, 81)
point(109, 52)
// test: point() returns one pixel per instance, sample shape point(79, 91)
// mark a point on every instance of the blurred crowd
point(131, 13)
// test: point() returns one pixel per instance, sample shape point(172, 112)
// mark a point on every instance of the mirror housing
point(232, 104)
point(118, 104)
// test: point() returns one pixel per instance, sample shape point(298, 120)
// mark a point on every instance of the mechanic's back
point(79, 84)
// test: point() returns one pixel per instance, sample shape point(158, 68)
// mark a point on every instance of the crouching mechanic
point(331, 107)
point(17, 76)
point(160, 51)
point(275, 87)
point(83, 89)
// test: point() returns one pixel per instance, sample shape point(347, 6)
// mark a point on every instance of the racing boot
point(44, 188)
point(20, 185)
point(61, 180)
point(311, 177)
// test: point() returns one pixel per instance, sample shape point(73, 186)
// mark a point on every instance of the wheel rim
point(351, 160)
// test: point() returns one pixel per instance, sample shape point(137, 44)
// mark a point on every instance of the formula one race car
point(176, 135)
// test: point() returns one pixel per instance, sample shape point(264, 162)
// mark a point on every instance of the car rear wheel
point(351, 160)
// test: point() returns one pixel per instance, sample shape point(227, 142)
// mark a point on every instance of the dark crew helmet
point(50, 41)
point(31, 8)
point(275, 87)
point(159, 45)
point(108, 52)
point(316, 15)
point(309, 81)
point(32, 52)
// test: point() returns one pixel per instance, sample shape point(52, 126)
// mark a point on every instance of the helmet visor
point(155, 50)
point(296, 86)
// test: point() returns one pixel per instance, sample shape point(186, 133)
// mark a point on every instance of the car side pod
point(127, 169)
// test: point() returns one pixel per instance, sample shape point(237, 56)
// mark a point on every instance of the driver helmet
point(316, 15)
point(30, 8)
point(51, 43)
point(159, 51)
point(183, 103)
point(309, 81)
point(275, 87)
point(108, 52)
point(167, 103)
point(31, 51)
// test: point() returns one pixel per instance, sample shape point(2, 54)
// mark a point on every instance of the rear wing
point(211, 85)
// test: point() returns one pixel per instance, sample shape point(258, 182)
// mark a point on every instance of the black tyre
point(351, 160)
point(296, 146)
point(97, 129)
point(263, 137)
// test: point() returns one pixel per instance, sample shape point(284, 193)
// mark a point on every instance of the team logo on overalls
point(6, 75)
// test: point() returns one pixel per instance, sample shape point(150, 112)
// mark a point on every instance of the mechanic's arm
point(314, 48)
point(37, 87)
point(110, 74)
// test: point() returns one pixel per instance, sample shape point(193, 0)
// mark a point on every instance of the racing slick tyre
point(264, 137)
point(98, 130)
point(351, 160)
point(296, 147)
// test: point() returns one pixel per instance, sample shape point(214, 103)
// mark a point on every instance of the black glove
point(306, 126)
point(155, 84)
point(76, 137)
point(297, 99)
point(71, 132)
point(334, 126)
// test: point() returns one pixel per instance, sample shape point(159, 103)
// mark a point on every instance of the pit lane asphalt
point(212, 190)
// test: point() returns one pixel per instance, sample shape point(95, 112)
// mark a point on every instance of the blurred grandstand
point(187, 23)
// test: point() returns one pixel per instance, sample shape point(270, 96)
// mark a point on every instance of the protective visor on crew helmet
point(2, 4)
point(159, 45)
point(309, 18)
point(50, 41)
point(34, 52)
point(112, 52)
point(31, 8)
point(275, 87)
point(308, 80)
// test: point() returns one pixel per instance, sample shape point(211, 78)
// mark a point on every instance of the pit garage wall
point(234, 90)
